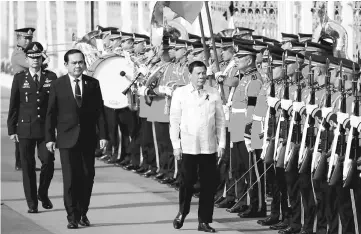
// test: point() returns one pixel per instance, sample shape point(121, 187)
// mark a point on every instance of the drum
point(107, 70)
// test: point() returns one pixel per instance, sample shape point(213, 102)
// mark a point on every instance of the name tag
point(46, 85)
point(26, 86)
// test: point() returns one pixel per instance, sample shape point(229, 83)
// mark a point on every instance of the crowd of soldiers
point(293, 124)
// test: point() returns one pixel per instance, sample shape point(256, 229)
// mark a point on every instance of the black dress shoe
point(111, 160)
point(122, 163)
point(225, 204)
point(159, 176)
point(289, 230)
point(72, 225)
point(279, 226)
point(205, 227)
point(305, 232)
point(167, 180)
point(253, 214)
point(141, 170)
point(46, 203)
point(84, 221)
point(33, 211)
point(270, 220)
point(179, 220)
point(237, 209)
point(128, 167)
point(149, 173)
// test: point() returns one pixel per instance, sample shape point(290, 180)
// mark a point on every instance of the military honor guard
point(26, 125)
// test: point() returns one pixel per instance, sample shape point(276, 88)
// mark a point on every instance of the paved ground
point(122, 202)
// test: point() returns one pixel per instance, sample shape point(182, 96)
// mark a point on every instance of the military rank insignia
point(26, 85)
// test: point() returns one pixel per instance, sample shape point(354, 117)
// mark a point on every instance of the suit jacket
point(75, 124)
point(28, 104)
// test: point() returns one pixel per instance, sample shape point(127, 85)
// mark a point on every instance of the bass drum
point(107, 70)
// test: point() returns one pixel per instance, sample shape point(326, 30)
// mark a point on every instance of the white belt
point(243, 110)
point(257, 118)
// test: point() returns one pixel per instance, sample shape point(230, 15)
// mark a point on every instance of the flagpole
point(205, 48)
point(214, 49)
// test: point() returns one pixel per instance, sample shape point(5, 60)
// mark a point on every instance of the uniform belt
point(258, 118)
point(235, 110)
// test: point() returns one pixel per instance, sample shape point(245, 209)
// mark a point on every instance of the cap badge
point(35, 48)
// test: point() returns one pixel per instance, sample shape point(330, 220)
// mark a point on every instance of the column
point(126, 16)
point(306, 17)
point(141, 17)
point(347, 23)
point(12, 40)
point(21, 14)
point(102, 13)
point(81, 25)
point(40, 26)
point(49, 34)
point(60, 33)
point(330, 9)
point(4, 30)
point(285, 18)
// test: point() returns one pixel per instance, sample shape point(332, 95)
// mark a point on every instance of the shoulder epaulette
point(23, 71)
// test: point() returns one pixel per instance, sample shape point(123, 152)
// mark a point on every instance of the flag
point(188, 10)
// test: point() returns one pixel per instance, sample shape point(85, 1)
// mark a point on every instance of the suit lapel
point(85, 84)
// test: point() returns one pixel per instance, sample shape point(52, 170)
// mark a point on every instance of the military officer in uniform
point(26, 120)
point(24, 36)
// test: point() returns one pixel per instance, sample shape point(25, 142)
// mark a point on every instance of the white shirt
point(72, 82)
point(33, 74)
point(197, 121)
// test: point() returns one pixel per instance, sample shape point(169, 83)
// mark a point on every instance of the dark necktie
point(77, 93)
point(36, 80)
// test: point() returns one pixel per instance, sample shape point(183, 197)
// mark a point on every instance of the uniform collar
point(38, 73)
point(250, 71)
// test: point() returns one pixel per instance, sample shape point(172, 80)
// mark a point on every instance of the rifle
point(306, 153)
point(268, 156)
point(286, 95)
point(337, 158)
point(353, 148)
point(292, 157)
point(321, 167)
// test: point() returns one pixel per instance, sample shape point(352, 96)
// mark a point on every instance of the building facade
point(56, 22)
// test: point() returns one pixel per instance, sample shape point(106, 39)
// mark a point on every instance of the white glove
point(341, 117)
point(286, 104)
point(209, 71)
point(143, 70)
point(297, 106)
point(248, 145)
point(310, 108)
point(229, 104)
point(326, 111)
point(272, 101)
point(141, 91)
point(355, 121)
point(168, 91)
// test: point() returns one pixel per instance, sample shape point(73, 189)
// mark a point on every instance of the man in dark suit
point(76, 110)
point(26, 122)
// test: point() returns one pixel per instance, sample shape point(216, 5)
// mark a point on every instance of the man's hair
point(70, 52)
point(194, 64)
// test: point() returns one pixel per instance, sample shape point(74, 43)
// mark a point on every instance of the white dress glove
point(143, 70)
point(355, 121)
point(297, 106)
point(226, 111)
point(272, 101)
point(286, 104)
point(310, 108)
point(209, 71)
point(141, 91)
point(326, 111)
point(341, 117)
